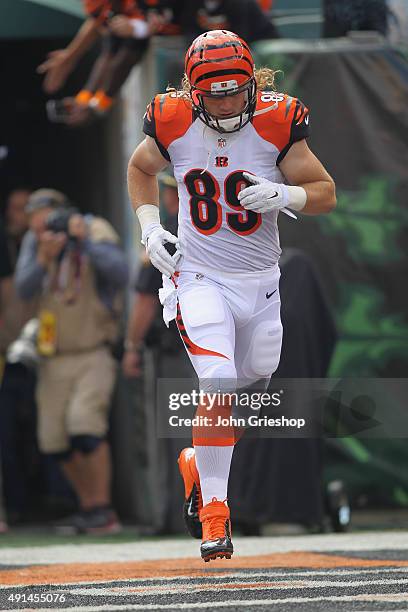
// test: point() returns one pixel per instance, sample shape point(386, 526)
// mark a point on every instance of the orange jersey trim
point(173, 117)
point(275, 117)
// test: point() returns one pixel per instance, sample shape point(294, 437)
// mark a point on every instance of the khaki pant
point(73, 396)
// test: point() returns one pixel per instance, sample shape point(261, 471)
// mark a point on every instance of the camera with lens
point(58, 221)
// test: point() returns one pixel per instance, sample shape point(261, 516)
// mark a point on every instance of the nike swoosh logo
point(268, 295)
point(275, 195)
point(190, 507)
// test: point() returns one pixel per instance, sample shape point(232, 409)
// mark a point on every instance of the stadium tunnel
point(29, 29)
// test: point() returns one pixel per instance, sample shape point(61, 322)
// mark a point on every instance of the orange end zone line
point(63, 573)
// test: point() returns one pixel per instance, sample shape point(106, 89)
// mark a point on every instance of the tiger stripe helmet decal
point(220, 63)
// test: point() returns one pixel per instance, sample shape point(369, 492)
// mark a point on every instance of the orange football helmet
point(219, 63)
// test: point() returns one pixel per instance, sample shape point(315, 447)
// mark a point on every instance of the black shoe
point(220, 548)
point(102, 521)
point(71, 525)
point(193, 501)
point(96, 521)
point(191, 514)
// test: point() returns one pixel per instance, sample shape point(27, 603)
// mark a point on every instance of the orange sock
point(101, 102)
point(212, 431)
point(83, 97)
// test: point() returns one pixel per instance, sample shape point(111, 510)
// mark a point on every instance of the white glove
point(154, 239)
point(263, 195)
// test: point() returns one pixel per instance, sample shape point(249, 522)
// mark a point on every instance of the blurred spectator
point(15, 313)
point(125, 27)
point(16, 220)
point(5, 271)
point(146, 303)
point(19, 452)
point(146, 329)
point(17, 406)
point(73, 266)
point(342, 16)
point(245, 17)
point(5, 276)
point(3, 523)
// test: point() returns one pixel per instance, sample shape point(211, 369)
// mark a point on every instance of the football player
point(240, 157)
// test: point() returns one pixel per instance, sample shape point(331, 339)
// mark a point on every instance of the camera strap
point(69, 275)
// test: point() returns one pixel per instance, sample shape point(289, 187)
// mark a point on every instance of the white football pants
point(230, 325)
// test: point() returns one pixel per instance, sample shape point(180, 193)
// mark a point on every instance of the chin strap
point(230, 125)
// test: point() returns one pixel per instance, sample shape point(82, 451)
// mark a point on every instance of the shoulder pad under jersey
point(280, 119)
point(168, 117)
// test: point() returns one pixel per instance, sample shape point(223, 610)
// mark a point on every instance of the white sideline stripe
point(196, 588)
point(177, 549)
point(379, 597)
point(278, 574)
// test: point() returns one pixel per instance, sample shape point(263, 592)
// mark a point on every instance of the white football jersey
point(214, 229)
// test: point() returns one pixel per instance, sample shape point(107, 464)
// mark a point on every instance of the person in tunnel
point(121, 50)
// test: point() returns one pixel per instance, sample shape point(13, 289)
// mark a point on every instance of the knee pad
point(221, 377)
point(263, 355)
point(85, 444)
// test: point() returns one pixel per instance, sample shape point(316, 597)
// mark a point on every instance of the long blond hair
point(264, 77)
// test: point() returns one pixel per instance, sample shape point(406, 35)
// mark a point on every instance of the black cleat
point(190, 514)
point(97, 521)
point(193, 500)
point(215, 519)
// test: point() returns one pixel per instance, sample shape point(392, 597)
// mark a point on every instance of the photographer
point(73, 267)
